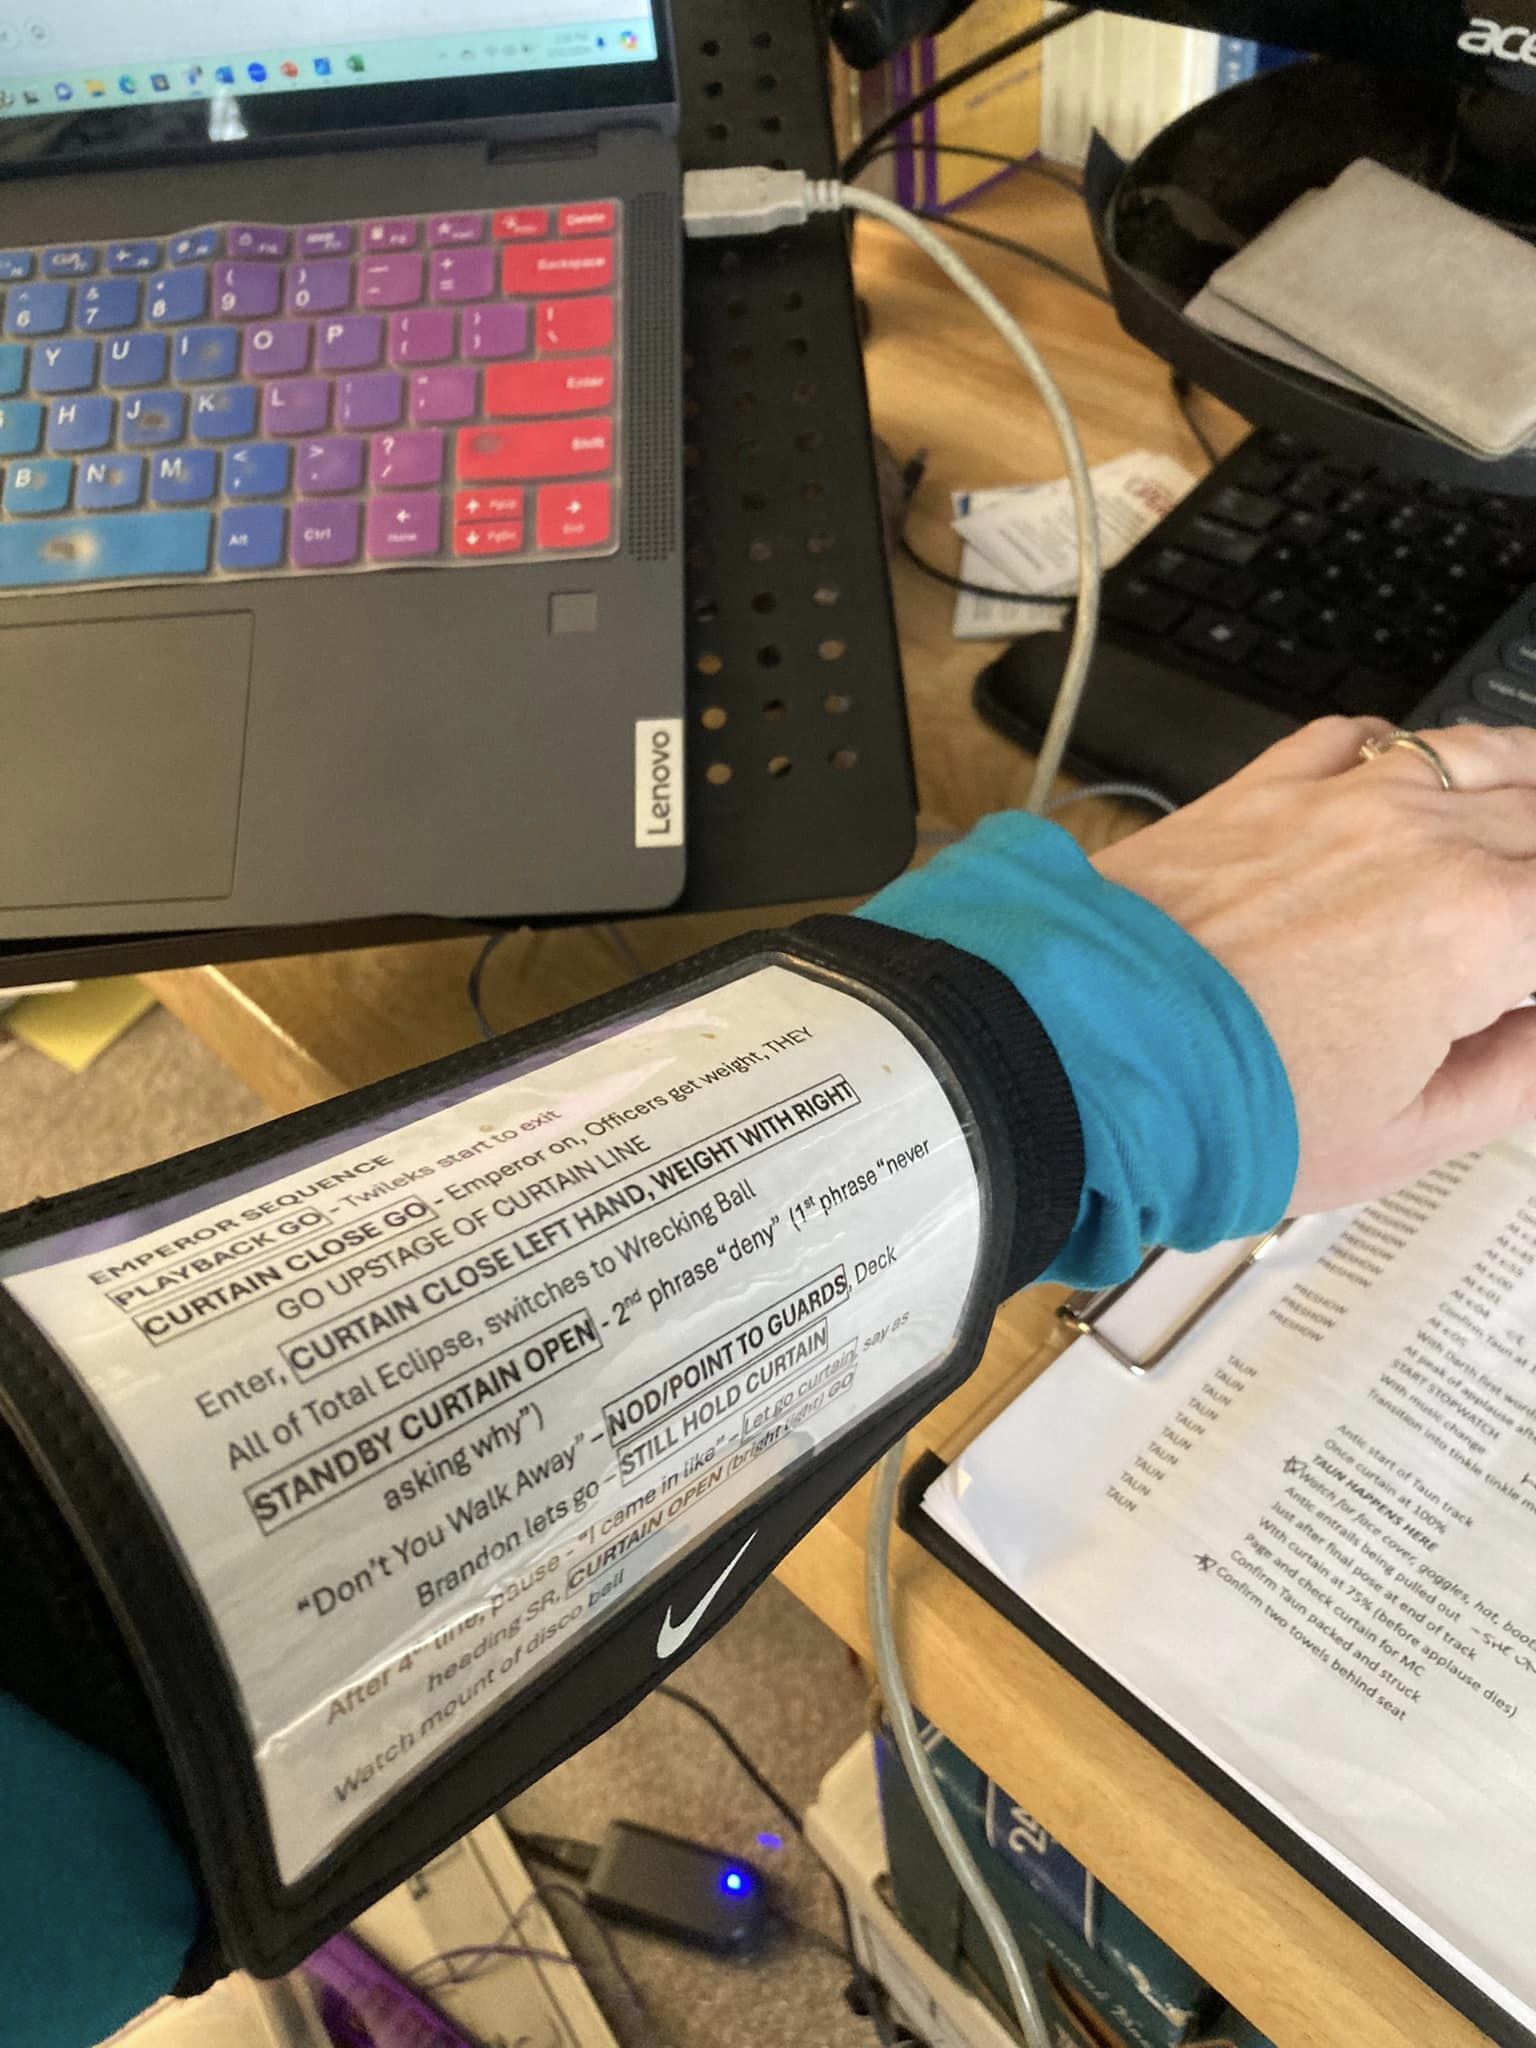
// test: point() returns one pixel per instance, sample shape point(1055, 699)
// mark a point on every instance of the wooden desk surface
point(300, 1030)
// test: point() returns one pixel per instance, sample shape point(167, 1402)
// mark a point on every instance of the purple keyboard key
point(262, 243)
point(438, 396)
point(399, 459)
point(374, 401)
point(422, 337)
point(332, 465)
point(389, 281)
point(452, 230)
point(463, 274)
point(325, 534)
point(246, 291)
point(278, 348)
point(299, 405)
point(405, 525)
point(495, 331)
point(324, 287)
point(326, 241)
point(356, 343)
point(390, 234)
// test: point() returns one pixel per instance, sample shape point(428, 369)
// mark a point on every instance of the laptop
point(340, 567)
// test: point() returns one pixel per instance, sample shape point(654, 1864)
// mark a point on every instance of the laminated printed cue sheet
point(414, 1438)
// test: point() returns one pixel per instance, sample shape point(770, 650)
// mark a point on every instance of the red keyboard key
point(521, 224)
point(529, 271)
point(469, 506)
point(594, 218)
point(578, 518)
point(526, 390)
point(501, 537)
point(573, 326)
point(514, 454)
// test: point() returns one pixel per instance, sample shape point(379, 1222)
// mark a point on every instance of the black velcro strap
point(793, 1192)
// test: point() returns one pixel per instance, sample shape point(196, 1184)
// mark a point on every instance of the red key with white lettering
point(554, 448)
point(521, 224)
point(502, 537)
point(530, 269)
point(579, 517)
point(570, 327)
point(488, 504)
point(528, 390)
point(594, 218)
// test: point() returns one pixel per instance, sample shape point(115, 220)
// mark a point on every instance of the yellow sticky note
point(77, 1028)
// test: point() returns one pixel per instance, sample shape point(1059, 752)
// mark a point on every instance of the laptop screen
point(78, 72)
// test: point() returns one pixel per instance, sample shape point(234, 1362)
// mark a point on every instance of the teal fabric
point(99, 1908)
point(1189, 1126)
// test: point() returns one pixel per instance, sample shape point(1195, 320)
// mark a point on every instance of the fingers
point(1486, 1087)
point(1500, 821)
point(1476, 757)
point(1325, 747)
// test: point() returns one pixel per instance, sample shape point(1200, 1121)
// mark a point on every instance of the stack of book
point(1126, 79)
point(1114, 1982)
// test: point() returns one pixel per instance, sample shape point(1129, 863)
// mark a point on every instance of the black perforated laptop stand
point(800, 772)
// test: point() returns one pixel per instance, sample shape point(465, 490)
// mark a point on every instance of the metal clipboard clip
point(1083, 1313)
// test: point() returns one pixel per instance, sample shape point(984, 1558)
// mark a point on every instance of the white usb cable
point(755, 200)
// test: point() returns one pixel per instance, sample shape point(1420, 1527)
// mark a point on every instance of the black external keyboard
point(1494, 683)
point(1283, 587)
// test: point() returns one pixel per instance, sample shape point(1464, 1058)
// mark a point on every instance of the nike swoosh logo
point(673, 1635)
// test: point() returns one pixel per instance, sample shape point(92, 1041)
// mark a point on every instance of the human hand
point(1384, 929)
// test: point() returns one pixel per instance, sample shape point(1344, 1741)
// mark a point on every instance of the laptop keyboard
point(251, 400)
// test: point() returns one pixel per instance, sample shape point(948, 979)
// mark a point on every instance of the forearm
point(1025, 1130)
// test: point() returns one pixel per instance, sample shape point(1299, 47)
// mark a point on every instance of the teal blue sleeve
point(100, 1909)
point(1189, 1127)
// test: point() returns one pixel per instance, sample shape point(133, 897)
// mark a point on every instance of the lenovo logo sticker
point(659, 782)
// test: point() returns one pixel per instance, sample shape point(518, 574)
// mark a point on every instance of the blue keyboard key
point(41, 486)
point(251, 536)
point(175, 297)
point(63, 366)
point(198, 247)
point(206, 355)
point(110, 483)
point(78, 260)
point(114, 549)
point(185, 476)
point(259, 471)
point(134, 256)
point(37, 309)
point(153, 419)
point(227, 414)
point(133, 362)
point(21, 427)
point(13, 368)
point(15, 264)
point(113, 303)
point(79, 426)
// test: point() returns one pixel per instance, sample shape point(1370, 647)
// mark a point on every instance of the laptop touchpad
point(120, 755)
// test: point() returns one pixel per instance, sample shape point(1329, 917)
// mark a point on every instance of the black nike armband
point(379, 1458)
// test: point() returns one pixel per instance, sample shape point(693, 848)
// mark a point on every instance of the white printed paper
point(419, 1411)
point(1026, 537)
point(1308, 1541)
point(997, 618)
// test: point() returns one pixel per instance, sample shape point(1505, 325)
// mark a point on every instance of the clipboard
point(1088, 1314)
